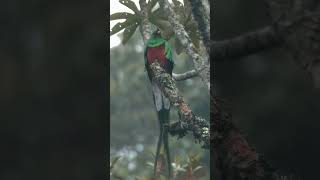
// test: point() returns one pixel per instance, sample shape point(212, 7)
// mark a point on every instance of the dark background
point(53, 90)
point(273, 102)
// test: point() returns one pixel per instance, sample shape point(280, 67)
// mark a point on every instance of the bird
point(158, 49)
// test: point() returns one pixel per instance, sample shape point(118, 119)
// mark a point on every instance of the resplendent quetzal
point(159, 49)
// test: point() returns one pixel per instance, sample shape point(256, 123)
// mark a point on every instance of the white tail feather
point(160, 99)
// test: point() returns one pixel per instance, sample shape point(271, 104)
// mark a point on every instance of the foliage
point(157, 17)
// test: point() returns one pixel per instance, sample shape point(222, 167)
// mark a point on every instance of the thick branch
point(199, 15)
point(189, 122)
point(182, 35)
point(253, 42)
point(246, 44)
point(145, 27)
point(185, 76)
point(234, 158)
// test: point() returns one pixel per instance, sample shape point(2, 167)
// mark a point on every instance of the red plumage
point(154, 53)
point(158, 53)
point(161, 102)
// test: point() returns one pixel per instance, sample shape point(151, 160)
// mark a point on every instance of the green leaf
point(128, 32)
point(121, 25)
point(151, 4)
point(177, 3)
point(130, 4)
point(121, 15)
point(163, 25)
point(158, 14)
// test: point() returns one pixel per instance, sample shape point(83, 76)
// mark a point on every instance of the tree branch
point(253, 42)
point(234, 158)
point(186, 42)
point(188, 121)
point(198, 12)
point(246, 44)
point(146, 27)
point(185, 76)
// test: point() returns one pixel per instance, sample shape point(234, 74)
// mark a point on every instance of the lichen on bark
point(188, 120)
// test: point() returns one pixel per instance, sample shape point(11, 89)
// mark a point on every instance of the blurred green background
point(134, 126)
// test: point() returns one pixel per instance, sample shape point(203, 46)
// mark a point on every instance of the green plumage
point(155, 42)
point(162, 103)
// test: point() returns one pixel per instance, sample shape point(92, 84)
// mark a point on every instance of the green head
point(157, 40)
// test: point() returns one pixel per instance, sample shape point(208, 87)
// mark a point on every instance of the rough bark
point(234, 157)
point(146, 27)
point(185, 75)
point(201, 65)
point(199, 14)
point(188, 120)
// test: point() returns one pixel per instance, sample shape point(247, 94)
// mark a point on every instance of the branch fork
point(189, 121)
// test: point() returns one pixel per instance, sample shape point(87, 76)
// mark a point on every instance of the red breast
point(157, 53)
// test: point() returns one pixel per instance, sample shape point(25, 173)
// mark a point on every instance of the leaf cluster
point(157, 17)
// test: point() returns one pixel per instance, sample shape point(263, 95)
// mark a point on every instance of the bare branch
point(253, 42)
point(185, 76)
point(246, 44)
